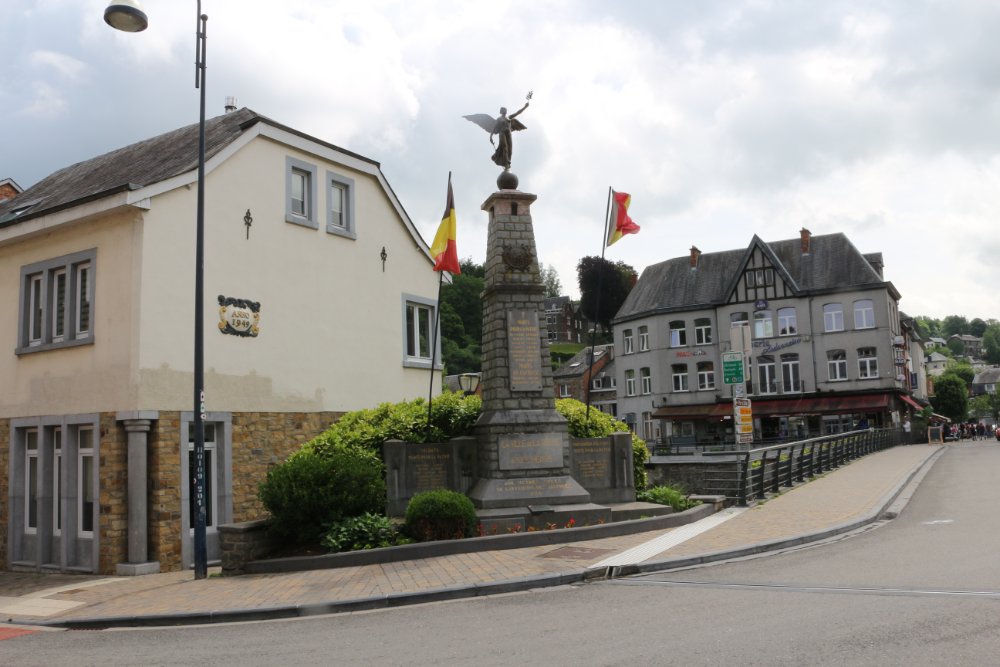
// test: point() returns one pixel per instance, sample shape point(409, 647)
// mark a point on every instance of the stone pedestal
point(524, 447)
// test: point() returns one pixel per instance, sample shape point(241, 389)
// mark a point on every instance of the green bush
point(452, 415)
point(310, 491)
point(666, 495)
point(368, 531)
point(601, 425)
point(440, 515)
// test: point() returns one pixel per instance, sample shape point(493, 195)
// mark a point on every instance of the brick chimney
point(695, 254)
point(806, 236)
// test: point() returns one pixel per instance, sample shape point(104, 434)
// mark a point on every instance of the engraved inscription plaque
point(427, 468)
point(524, 349)
point(592, 463)
point(530, 451)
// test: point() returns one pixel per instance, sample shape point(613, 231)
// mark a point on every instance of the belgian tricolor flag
point(443, 250)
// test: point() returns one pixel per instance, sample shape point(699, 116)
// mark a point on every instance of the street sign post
point(732, 367)
point(743, 420)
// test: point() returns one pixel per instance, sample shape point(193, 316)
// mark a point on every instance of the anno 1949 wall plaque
point(524, 348)
point(239, 317)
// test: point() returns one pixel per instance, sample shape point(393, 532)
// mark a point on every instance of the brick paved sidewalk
point(846, 494)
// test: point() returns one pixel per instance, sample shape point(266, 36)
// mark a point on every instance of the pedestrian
point(906, 430)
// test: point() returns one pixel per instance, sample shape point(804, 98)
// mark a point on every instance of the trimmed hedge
point(440, 515)
point(309, 491)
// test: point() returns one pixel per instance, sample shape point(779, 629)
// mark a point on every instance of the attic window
point(759, 277)
point(574, 364)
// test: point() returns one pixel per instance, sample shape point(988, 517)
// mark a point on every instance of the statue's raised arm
point(502, 126)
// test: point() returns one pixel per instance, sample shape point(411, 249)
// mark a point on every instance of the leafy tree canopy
point(551, 280)
point(462, 319)
point(954, 324)
point(604, 286)
point(951, 397)
point(977, 326)
point(962, 369)
point(991, 344)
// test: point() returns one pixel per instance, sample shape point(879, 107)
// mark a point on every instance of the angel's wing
point(515, 124)
point(483, 120)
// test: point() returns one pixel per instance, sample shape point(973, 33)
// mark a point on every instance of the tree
point(604, 285)
point(954, 324)
point(551, 280)
point(462, 319)
point(977, 327)
point(991, 344)
point(951, 397)
point(985, 405)
point(956, 347)
point(962, 368)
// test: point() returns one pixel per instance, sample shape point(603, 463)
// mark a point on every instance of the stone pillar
point(524, 451)
point(138, 516)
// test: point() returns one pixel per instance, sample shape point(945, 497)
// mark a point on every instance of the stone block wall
point(113, 507)
point(261, 440)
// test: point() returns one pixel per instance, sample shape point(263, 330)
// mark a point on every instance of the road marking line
point(668, 540)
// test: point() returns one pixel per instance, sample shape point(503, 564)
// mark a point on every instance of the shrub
point(666, 495)
point(309, 491)
point(368, 531)
point(452, 415)
point(601, 425)
point(440, 515)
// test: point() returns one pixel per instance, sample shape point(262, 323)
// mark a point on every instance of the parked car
point(997, 433)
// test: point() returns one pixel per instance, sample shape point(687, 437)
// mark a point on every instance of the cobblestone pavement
point(849, 493)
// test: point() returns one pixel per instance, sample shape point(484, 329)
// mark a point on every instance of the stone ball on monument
point(507, 180)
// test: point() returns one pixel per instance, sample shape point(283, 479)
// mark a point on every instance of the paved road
point(920, 590)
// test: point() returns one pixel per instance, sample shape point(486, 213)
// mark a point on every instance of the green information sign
point(732, 367)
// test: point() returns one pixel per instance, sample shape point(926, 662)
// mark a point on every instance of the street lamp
point(468, 383)
point(126, 15)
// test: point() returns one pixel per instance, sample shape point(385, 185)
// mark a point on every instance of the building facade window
point(703, 331)
point(758, 277)
point(648, 427)
point(790, 380)
point(300, 193)
point(763, 324)
point(864, 314)
point(706, 375)
point(836, 361)
point(628, 343)
point(739, 318)
point(564, 391)
point(787, 325)
point(679, 376)
point(340, 205)
point(55, 489)
point(630, 382)
point(678, 334)
point(646, 381)
point(643, 339)
point(218, 482)
point(766, 379)
point(418, 318)
point(867, 363)
point(57, 303)
point(833, 317)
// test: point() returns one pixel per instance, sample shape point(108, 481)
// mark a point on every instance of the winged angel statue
point(502, 128)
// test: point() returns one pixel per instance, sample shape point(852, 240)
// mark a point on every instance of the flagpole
point(597, 302)
point(437, 320)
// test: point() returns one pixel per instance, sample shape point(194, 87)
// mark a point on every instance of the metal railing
point(766, 470)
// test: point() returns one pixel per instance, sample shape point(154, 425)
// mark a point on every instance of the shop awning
point(912, 403)
point(821, 405)
point(711, 411)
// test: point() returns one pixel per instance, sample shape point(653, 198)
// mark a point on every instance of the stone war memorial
point(522, 469)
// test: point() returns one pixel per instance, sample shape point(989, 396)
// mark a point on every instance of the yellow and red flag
point(621, 224)
point(443, 250)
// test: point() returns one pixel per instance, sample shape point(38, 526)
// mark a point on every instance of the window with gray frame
point(790, 380)
point(864, 314)
point(300, 193)
point(646, 380)
point(57, 303)
point(833, 317)
point(703, 331)
point(867, 363)
point(340, 218)
point(630, 382)
point(643, 338)
point(418, 320)
point(679, 376)
point(706, 375)
point(678, 333)
point(627, 342)
point(837, 365)
point(787, 325)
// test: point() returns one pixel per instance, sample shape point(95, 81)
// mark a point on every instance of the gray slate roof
point(988, 376)
point(832, 264)
point(579, 362)
point(132, 167)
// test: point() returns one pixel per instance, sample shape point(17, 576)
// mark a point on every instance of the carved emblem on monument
point(517, 257)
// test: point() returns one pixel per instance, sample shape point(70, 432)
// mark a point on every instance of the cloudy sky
point(879, 119)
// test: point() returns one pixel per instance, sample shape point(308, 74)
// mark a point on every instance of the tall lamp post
point(127, 15)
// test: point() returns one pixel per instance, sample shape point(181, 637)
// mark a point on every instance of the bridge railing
point(766, 470)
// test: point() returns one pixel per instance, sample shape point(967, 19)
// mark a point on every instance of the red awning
point(711, 411)
point(821, 405)
point(913, 403)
